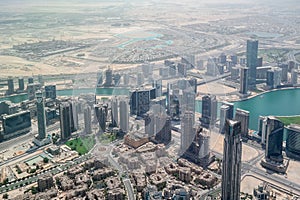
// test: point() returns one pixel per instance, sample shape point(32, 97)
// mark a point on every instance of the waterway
point(277, 103)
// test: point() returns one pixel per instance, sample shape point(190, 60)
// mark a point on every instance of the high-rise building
point(31, 90)
point(10, 84)
point(30, 80)
point(14, 124)
point(274, 140)
point(274, 77)
point(99, 78)
point(198, 152)
point(41, 79)
point(284, 75)
point(209, 110)
point(222, 58)
point(259, 61)
point(293, 141)
point(243, 117)
point(244, 77)
point(65, 111)
point(140, 101)
point(21, 84)
point(187, 130)
point(157, 84)
point(114, 112)
point(124, 115)
point(108, 77)
point(41, 118)
point(50, 91)
point(224, 112)
point(294, 76)
point(87, 120)
point(149, 124)
point(182, 69)
point(232, 156)
point(262, 128)
point(211, 67)
point(163, 128)
point(231, 109)
point(140, 79)
point(251, 55)
point(101, 115)
point(74, 115)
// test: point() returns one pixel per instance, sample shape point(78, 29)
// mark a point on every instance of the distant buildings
point(232, 156)
point(243, 117)
point(293, 141)
point(251, 56)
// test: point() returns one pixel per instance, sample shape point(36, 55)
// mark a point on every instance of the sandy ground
point(216, 144)
point(215, 88)
point(248, 183)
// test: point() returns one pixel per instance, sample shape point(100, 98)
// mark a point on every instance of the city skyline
point(149, 100)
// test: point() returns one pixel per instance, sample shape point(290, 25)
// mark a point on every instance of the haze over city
point(140, 99)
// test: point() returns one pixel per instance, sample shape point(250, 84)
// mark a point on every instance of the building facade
point(232, 156)
point(243, 117)
point(251, 56)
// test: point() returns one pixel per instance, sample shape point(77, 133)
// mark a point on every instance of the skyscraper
point(262, 128)
point(252, 49)
point(187, 130)
point(50, 91)
point(140, 101)
point(230, 111)
point(114, 112)
point(224, 110)
point(274, 140)
point(294, 76)
point(244, 77)
point(232, 156)
point(99, 78)
point(243, 117)
point(65, 120)
point(209, 110)
point(87, 120)
point(41, 118)
point(124, 115)
point(108, 77)
point(274, 77)
point(10, 84)
point(293, 141)
point(21, 84)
